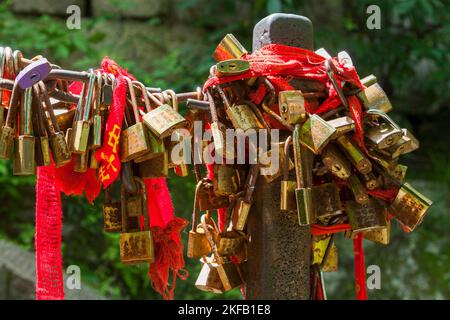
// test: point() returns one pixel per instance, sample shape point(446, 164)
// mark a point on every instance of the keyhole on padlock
point(35, 77)
point(232, 66)
point(283, 108)
point(389, 140)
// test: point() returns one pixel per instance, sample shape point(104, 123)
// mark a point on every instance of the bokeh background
point(168, 43)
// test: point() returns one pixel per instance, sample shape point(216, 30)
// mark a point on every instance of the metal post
point(278, 266)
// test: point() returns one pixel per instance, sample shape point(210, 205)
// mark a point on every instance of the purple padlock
point(33, 73)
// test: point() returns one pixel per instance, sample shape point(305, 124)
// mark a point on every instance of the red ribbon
point(49, 276)
point(360, 269)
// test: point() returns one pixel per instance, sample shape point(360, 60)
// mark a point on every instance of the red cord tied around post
point(51, 181)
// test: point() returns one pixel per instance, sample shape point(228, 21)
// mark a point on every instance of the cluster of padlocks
point(327, 178)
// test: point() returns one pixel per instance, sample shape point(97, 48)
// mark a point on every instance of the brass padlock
point(303, 192)
point(230, 242)
point(365, 217)
point(369, 180)
point(231, 67)
point(409, 207)
point(208, 279)
point(271, 171)
point(96, 132)
point(342, 125)
point(81, 162)
point(157, 167)
point(163, 120)
point(287, 193)
point(112, 213)
point(327, 202)
point(24, 144)
point(291, 104)
point(134, 141)
point(157, 147)
point(198, 244)
point(226, 180)
point(81, 126)
point(381, 236)
point(398, 172)
point(40, 127)
point(7, 132)
point(385, 134)
point(243, 117)
point(137, 246)
point(357, 189)
point(335, 162)
point(357, 158)
point(407, 143)
point(242, 207)
point(374, 97)
point(58, 145)
point(229, 48)
point(316, 133)
point(369, 80)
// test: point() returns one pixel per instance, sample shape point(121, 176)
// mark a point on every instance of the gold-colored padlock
point(229, 48)
point(24, 143)
point(226, 180)
point(316, 133)
point(97, 121)
point(164, 119)
point(336, 162)
point(60, 150)
point(134, 140)
point(369, 180)
point(243, 117)
point(374, 97)
point(198, 244)
point(303, 192)
point(137, 246)
point(81, 162)
point(209, 200)
point(157, 167)
point(381, 236)
point(409, 207)
point(230, 242)
point(358, 190)
point(324, 253)
point(81, 126)
point(407, 143)
point(42, 144)
point(231, 67)
point(357, 158)
point(112, 213)
point(327, 202)
point(7, 132)
point(342, 125)
point(291, 104)
point(366, 217)
point(287, 193)
point(384, 135)
point(242, 207)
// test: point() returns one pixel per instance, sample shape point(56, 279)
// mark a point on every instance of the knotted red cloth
point(165, 226)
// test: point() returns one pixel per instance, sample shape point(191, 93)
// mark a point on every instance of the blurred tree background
point(169, 44)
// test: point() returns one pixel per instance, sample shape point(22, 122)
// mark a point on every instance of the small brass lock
point(232, 67)
point(384, 135)
point(381, 236)
point(226, 180)
point(24, 144)
point(291, 104)
point(357, 189)
point(243, 117)
point(342, 125)
point(366, 217)
point(242, 207)
point(357, 158)
point(137, 246)
point(409, 206)
point(8, 132)
point(316, 133)
point(336, 162)
point(81, 126)
point(209, 200)
point(374, 97)
point(229, 48)
point(327, 202)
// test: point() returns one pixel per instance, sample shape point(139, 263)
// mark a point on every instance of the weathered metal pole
point(279, 249)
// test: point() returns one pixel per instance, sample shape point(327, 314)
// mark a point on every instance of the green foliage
point(409, 55)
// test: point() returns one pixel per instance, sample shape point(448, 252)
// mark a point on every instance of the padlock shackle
point(210, 237)
point(381, 114)
point(297, 157)
point(9, 61)
point(2, 75)
point(270, 100)
point(42, 124)
point(174, 97)
point(54, 127)
point(26, 127)
point(143, 192)
point(90, 93)
point(144, 94)
point(287, 145)
point(196, 209)
point(250, 182)
point(133, 100)
point(212, 106)
point(17, 58)
point(330, 73)
point(13, 103)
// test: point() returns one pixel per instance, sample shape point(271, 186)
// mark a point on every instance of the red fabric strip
point(49, 276)
point(360, 269)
